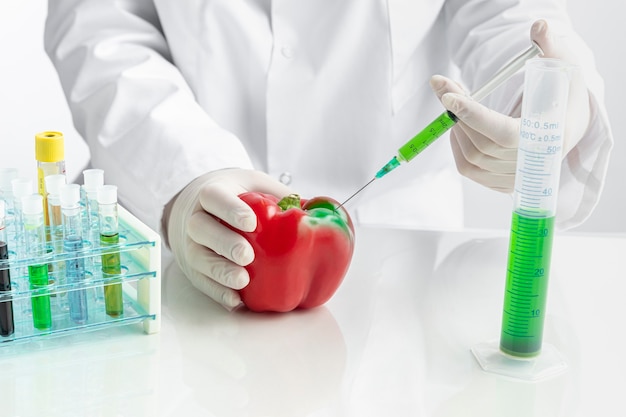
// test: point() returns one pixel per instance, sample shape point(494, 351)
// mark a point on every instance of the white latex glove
point(210, 254)
point(484, 142)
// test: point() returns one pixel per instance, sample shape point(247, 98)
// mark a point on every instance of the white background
point(31, 101)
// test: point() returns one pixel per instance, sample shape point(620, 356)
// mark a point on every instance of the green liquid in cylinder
point(528, 267)
point(113, 299)
point(38, 278)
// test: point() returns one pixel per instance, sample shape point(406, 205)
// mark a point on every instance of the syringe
point(447, 119)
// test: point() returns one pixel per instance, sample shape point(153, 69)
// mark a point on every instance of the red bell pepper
point(303, 249)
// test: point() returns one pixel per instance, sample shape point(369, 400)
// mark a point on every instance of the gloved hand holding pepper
point(484, 142)
point(236, 241)
point(209, 253)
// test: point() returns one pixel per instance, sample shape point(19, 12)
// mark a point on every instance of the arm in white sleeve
point(131, 104)
point(483, 36)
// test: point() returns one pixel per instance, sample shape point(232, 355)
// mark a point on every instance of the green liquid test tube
point(35, 239)
point(528, 269)
point(38, 279)
point(109, 237)
point(111, 267)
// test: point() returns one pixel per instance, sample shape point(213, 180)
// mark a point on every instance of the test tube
point(109, 236)
point(93, 179)
point(7, 325)
point(6, 192)
point(35, 239)
point(21, 187)
point(54, 183)
point(6, 176)
point(53, 187)
point(50, 156)
point(73, 245)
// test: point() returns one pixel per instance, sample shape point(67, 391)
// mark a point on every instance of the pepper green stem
point(290, 201)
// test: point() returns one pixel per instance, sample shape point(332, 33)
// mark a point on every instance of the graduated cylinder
point(542, 126)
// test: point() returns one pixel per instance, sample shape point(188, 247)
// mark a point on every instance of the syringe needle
point(358, 191)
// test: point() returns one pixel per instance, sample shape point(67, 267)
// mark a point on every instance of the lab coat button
point(287, 52)
point(285, 178)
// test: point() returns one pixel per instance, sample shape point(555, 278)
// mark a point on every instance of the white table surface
point(394, 341)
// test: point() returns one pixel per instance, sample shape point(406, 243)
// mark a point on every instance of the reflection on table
point(394, 340)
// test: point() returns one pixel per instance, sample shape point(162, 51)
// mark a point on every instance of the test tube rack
point(140, 257)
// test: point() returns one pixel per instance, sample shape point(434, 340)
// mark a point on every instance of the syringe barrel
point(426, 136)
point(506, 72)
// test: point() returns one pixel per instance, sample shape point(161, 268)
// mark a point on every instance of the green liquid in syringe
point(426, 136)
point(418, 143)
point(530, 250)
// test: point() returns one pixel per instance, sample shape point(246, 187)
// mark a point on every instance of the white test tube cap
point(70, 195)
point(6, 176)
point(32, 204)
point(54, 183)
point(107, 194)
point(22, 187)
point(93, 179)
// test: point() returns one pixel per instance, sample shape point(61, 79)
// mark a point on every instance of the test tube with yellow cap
point(50, 156)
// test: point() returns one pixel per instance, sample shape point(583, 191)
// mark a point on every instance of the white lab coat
point(318, 93)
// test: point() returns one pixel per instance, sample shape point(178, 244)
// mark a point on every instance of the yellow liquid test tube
point(50, 156)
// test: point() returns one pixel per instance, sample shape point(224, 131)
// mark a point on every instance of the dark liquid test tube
point(7, 325)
